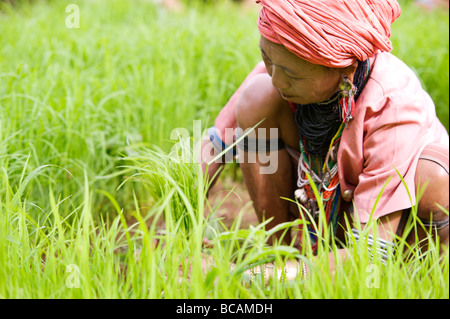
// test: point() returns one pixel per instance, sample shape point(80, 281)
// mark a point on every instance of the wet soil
point(228, 198)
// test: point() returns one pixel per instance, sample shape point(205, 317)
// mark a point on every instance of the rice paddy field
point(88, 170)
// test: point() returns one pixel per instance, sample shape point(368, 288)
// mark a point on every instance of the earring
point(347, 92)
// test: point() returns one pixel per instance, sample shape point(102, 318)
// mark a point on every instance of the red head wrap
point(333, 33)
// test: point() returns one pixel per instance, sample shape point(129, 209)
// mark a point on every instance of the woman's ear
point(350, 70)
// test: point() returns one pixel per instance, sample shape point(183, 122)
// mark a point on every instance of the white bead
point(301, 195)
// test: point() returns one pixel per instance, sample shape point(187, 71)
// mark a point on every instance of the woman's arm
point(224, 125)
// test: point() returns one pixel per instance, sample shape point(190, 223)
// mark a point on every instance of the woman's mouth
point(287, 97)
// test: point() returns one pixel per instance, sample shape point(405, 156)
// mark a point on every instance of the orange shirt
point(393, 121)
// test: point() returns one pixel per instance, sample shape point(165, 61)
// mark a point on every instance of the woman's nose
point(279, 79)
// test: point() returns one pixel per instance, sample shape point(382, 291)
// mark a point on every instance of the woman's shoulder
point(392, 73)
point(391, 80)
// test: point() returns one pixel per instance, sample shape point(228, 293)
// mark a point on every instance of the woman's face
point(297, 80)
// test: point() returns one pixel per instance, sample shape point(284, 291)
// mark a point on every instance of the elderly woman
point(341, 109)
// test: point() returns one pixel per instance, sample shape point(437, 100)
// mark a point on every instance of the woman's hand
point(292, 270)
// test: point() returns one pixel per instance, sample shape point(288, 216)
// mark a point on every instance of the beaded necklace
point(323, 169)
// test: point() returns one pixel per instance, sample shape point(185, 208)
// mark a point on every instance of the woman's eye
point(294, 77)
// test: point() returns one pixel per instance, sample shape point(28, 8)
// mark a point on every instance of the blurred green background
point(132, 72)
